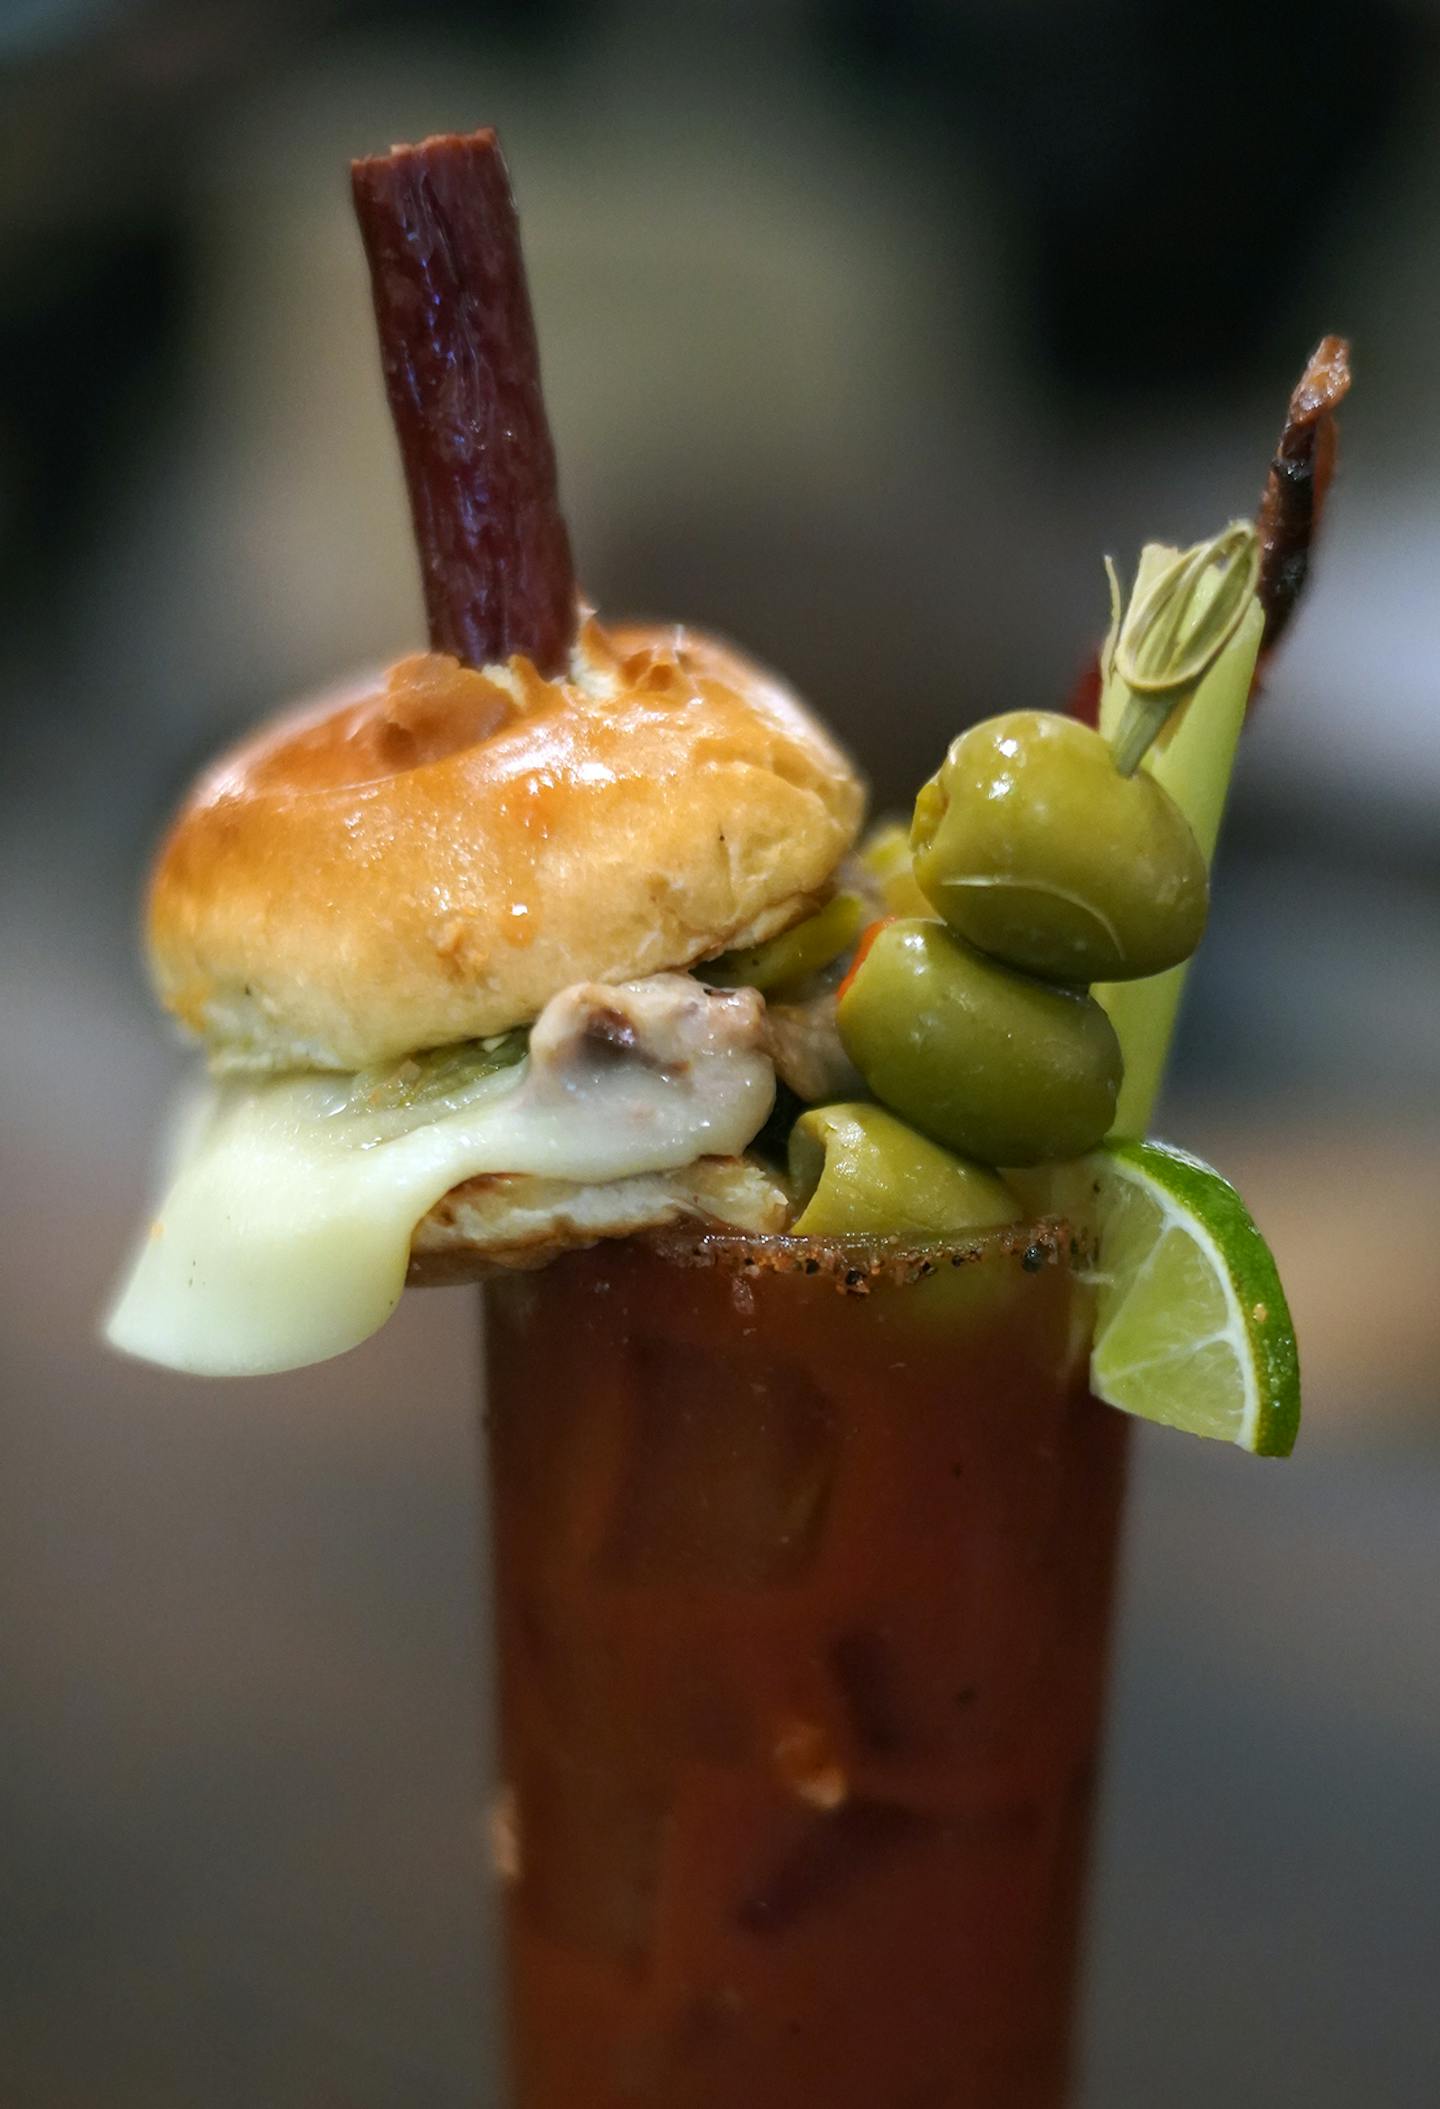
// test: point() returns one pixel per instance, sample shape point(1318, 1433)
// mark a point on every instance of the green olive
point(861, 1172)
point(990, 1062)
point(885, 854)
point(1033, 846)
point(804, 949)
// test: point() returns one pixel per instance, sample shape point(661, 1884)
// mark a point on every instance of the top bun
point(431, 856)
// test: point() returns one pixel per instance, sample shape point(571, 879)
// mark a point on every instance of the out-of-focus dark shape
point(105, 103)
point(67, 417)
point(1294, 495)
point(462, 371)
point(1168, 180)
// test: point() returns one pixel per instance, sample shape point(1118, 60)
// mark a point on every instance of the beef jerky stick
point(457, 344)
point(1294, 494)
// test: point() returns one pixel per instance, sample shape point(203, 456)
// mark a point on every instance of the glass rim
point(854, 1261)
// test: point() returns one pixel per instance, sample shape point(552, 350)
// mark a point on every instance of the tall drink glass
point(804, 1556)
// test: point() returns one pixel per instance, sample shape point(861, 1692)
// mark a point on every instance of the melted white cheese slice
point(285, 1234)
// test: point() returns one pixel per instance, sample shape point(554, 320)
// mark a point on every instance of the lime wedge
point(1191, 1324)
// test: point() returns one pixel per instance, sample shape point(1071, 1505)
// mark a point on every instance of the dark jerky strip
point(1294, 495)
point(831, 1854)
point(457, 343)
point(861, 1664)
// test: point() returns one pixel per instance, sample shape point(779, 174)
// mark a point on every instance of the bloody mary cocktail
point(803, 1589)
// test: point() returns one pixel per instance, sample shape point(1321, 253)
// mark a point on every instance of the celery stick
point(1192, 759)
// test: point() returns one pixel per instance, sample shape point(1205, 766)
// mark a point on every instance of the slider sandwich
point(443, 934)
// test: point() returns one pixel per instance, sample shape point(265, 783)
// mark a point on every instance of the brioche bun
point(431, 855)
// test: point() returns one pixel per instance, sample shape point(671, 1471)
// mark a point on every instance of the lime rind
point(1192, 1328)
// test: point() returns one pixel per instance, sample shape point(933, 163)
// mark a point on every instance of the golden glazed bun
point(431, 857)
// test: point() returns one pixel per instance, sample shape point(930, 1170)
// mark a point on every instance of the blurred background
point(868, 327)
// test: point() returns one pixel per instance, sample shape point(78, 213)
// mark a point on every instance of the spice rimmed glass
point(804, 1556)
